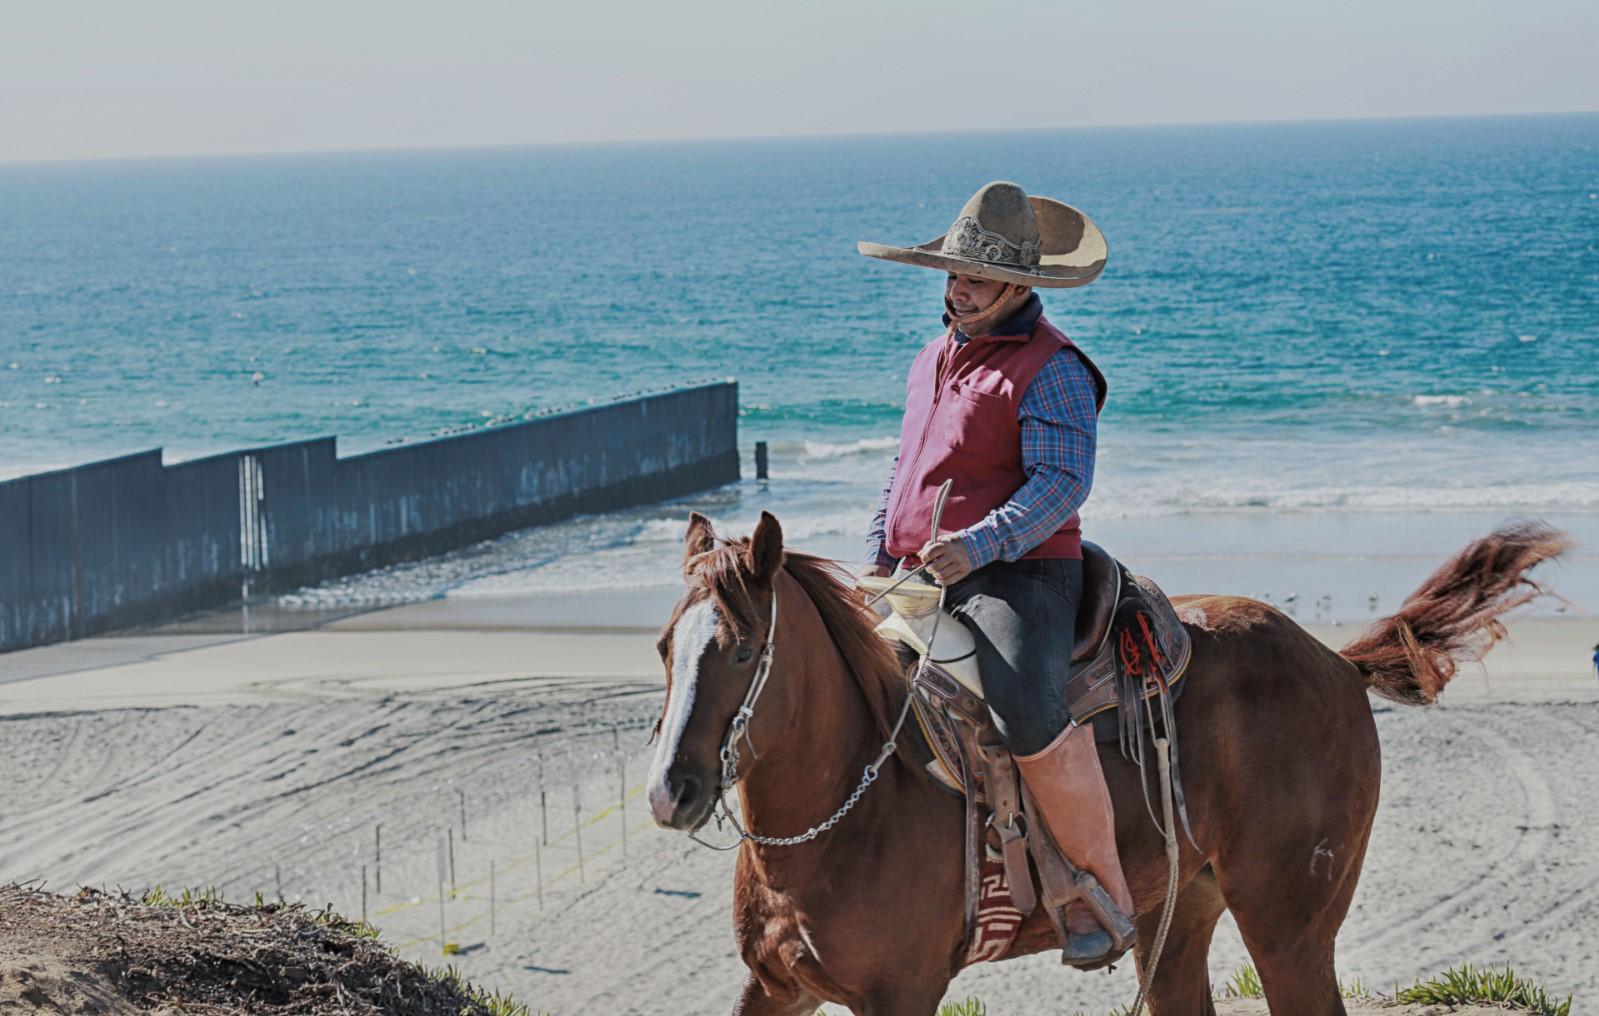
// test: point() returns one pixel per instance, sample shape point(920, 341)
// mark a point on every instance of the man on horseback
point(1005, 406)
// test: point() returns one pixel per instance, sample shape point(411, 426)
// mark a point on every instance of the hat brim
point(1072, 252)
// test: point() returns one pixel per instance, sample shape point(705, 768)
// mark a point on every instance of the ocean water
point(1336, 320)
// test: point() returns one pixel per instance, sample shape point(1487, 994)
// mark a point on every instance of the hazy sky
point(93, 78)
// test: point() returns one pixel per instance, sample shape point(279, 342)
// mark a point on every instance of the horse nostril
point(688, 792)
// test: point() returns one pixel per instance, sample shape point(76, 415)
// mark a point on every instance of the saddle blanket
point(998, 920)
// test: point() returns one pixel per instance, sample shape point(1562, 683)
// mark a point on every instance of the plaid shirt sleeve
point(1058, 414)
point(876, 536)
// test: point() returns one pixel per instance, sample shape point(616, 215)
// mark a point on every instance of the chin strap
point(975, 323)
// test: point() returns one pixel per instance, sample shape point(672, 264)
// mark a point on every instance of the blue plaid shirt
point(1058, 415)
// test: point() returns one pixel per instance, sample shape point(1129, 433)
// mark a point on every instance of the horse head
point(712, 649)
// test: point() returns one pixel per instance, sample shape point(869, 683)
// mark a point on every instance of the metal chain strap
point(868, 777)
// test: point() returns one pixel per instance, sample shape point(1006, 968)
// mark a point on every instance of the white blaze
point(690, 638)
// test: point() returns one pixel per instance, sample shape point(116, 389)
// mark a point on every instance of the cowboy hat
point(1007, 235)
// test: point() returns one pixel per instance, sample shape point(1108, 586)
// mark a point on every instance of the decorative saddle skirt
point(1125, 674)
point(1130, 646)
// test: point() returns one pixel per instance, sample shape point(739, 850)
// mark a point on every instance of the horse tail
point(1454, 616)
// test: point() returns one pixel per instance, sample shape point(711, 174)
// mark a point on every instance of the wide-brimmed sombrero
point(1005, 234)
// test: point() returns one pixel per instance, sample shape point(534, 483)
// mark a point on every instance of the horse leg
point(1181, 986)
point(902, 1000)
point(754, 1000)
point(1289, 920)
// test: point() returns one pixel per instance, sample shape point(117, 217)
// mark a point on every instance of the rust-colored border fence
point(130, 541)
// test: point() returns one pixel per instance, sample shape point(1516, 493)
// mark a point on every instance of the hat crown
point(997, 225)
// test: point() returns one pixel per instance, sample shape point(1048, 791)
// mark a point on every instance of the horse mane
point(722, 574)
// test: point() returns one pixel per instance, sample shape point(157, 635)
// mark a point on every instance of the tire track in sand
point(1535, 835)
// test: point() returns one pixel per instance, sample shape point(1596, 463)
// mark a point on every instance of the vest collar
point(1016, 328)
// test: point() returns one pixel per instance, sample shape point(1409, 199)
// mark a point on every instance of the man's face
point(968, 295)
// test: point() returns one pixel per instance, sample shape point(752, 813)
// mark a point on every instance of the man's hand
point(947, 558)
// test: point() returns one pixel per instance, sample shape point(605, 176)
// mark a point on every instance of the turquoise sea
point(1328, 320)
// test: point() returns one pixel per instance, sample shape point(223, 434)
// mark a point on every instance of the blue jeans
point(1023, 615)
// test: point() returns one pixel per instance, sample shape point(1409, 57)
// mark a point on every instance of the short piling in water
point(760, 460)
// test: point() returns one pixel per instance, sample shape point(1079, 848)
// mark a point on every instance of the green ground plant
point(1245, 983)
point(496, 1003)
point(1466, 983)
point(156, 896)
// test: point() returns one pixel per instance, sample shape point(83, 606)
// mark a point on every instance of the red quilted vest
point(960, 423)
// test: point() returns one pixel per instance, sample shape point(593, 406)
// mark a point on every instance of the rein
point(739, 730)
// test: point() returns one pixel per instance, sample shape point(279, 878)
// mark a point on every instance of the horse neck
point(805, 774)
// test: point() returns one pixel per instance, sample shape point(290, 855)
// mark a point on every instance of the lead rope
point(1146, 975)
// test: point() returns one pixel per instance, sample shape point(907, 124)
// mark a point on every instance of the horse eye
point(744, 654)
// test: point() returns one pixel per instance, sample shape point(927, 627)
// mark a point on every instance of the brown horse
point(1278, 748)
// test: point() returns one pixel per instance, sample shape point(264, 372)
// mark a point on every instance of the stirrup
point(1090, 950)
point(1104, 945)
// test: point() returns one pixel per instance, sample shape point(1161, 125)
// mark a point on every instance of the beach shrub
point(1466, 984)
point(1245, 983)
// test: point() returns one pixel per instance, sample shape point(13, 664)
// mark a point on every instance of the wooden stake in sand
point(544, 805)
point(462, 795)
point(452, 863)
point(377, 843)
point(577, 828)
point(363, 894)
point(538, 870)
point(438, 864)
point(277, 876)
point(621, 778)
point(491, 898)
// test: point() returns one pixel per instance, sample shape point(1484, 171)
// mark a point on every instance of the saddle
point(1131, 653)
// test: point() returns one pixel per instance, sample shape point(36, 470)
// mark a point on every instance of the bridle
point(739, 730)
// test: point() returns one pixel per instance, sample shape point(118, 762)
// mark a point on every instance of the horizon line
point(802, 136)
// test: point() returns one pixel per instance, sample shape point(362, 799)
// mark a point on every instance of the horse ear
point(700, 537)
point(765, 554)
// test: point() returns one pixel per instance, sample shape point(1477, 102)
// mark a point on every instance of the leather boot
point(1068, 786)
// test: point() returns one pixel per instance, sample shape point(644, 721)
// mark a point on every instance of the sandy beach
point(413, 743)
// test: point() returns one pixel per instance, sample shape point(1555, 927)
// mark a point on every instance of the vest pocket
point(973, 418)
